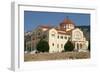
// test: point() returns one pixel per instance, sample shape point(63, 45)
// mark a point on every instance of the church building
point(59, 35)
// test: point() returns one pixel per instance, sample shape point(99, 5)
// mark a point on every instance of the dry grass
point(56, 56)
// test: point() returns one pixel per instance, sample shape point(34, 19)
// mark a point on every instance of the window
point(53, 34)
point(57, 45)
point(58, 36)
point(52, 44)
point(39, 33)
point(64, 26)
point(44, 36)
point(38, 37)
point(65, 37)
point(78, 36)
point(61, 45)
point(61, 37)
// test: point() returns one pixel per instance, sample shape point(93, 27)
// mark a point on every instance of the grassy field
point(56, 56)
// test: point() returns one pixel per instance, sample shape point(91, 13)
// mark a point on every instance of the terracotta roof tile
point(45, 26)
point(67, 21)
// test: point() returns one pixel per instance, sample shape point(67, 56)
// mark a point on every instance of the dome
point(67, 21)
point(67, 24)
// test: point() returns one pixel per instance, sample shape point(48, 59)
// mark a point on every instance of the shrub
point(42, 46)
point(69, 46)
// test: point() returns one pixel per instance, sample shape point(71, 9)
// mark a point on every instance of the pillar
point(75, 46)
point(79, 46)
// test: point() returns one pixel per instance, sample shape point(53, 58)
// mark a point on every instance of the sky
point(32, 19)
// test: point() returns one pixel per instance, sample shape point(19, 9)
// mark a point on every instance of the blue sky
point(32, 19)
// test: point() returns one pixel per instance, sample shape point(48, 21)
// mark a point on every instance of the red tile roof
point(45, 26)
point(67, 21)
point(60, 31)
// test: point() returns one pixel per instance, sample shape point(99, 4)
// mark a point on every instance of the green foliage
point(42, 46)
point(28, 48)
point(69, 46)
point(89, 46)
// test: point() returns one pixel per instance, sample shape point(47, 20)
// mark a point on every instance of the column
point(79, 46)
point(75, 46)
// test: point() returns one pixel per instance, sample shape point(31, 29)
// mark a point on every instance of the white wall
point(5, 46)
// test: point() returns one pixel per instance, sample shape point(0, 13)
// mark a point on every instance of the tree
point(89, 46)
point(69, 46)
point(42, 46)
point(25, 49)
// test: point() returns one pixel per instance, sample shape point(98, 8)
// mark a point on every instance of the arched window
point(58, 36)
point(52, 44)
point(61, 45)
point(65, 37)
point(61, 37)
point(53, 34)
point(57, 45)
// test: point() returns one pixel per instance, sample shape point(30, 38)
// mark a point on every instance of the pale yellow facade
point(57, 37)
